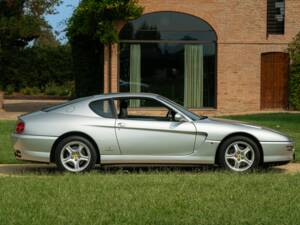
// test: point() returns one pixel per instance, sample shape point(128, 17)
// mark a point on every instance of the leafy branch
point(96, 19)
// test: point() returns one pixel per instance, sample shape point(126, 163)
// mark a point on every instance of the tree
point(46, 39)
point(90, 28)
point(21, 22)
point(294, 79)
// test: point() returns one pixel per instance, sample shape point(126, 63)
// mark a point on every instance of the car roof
point(125, 95)
point(99, 97)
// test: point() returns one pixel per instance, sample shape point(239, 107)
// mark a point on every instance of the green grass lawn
point(6, 153)
point(151, 198)
point(284, 122)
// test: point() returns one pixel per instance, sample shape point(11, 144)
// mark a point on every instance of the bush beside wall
point(294, 79)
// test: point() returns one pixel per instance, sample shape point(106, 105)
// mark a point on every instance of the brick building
point(213, 56)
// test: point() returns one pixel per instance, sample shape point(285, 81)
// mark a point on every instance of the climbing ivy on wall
point(92, 26)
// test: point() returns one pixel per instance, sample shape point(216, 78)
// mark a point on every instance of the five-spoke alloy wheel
point(239, 154)
point(75, 154)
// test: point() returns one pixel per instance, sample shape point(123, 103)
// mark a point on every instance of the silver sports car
point(142, 128)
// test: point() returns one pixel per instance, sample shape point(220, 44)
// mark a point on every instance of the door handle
point(120, 125)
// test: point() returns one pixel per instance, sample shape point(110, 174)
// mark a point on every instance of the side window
point(102, 108)
point(142, 109)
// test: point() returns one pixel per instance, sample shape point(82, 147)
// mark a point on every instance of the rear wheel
point(75, 154)
point(239, 154)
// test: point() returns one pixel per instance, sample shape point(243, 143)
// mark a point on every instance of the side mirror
point(179, 118)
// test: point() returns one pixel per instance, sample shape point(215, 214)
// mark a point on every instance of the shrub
point(294, 87)
point(9, 90)
point(51, 89)
point(294, 80)
point(54, 89)
point(30, 91)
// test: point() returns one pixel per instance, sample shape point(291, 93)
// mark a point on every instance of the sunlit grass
point(6, 152)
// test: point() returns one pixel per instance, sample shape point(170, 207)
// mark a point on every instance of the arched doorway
point(274, 80)
point(172, 54)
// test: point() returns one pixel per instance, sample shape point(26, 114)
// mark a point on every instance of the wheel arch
point(245, 135)
point(73, 133)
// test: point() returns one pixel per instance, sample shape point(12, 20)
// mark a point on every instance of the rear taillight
point(20, 127)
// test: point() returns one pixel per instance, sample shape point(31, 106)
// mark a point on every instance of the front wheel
point(75, 154)
point(239, 154)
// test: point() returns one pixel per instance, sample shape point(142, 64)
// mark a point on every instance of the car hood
point(217, 129)
point(234, 122)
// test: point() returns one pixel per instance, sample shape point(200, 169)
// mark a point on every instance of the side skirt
point(145, 159)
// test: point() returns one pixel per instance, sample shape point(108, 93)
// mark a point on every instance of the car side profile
point(142, 128)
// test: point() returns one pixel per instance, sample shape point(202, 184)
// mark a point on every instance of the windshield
point(180, 108)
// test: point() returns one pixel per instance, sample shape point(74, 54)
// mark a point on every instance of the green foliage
point(51, 89)
point(96, 19)
point(36, 67)
point(30, 67)
point(22, 21)
point(294, 81)
point(9, 90)
point(59, 90)
point(30, 91)
point(47, 39)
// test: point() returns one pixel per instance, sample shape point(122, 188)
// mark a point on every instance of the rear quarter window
point(102, 108)
point(59, 106)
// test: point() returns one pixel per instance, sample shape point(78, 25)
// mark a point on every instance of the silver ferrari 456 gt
point(142, 128)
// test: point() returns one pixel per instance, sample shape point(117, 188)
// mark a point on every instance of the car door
point(146, 134)
point(102, 128)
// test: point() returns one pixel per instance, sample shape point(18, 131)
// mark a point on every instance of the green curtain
point(135, 72)
point(193, 76)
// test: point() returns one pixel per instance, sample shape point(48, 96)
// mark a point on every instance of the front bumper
point(278, 151)
point(32, 147)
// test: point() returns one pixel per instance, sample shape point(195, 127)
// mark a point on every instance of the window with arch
point(172, 54)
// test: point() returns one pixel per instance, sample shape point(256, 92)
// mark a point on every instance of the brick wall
point(241, 29)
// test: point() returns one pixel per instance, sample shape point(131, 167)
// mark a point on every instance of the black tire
point(242, 139)
point(89, 148)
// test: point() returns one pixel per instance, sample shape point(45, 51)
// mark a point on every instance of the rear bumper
point(32, 148)
point(278, 151)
